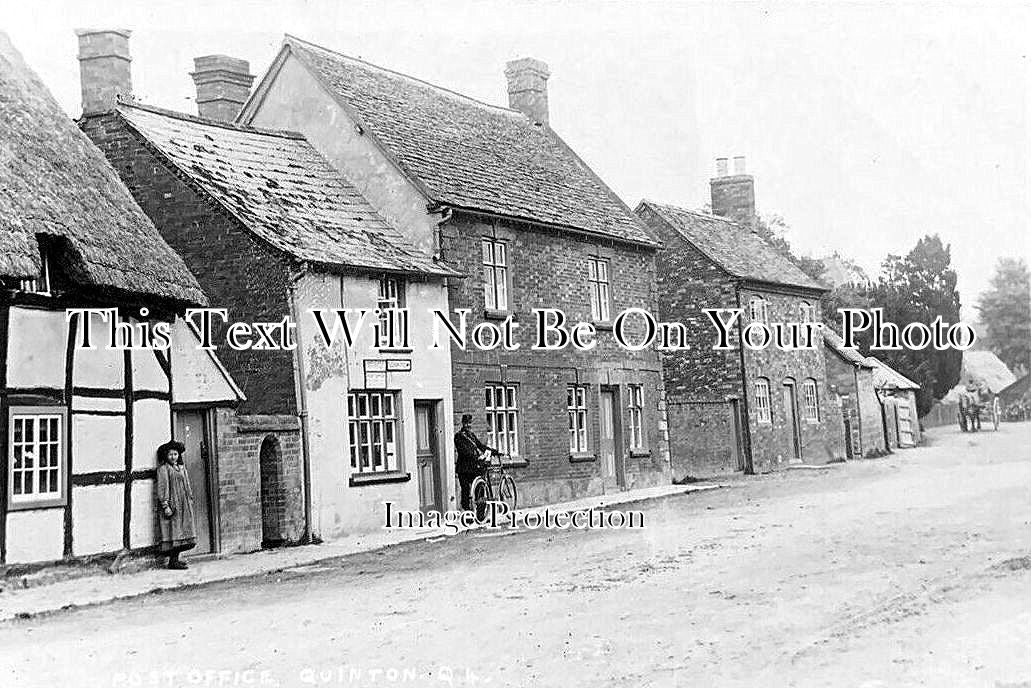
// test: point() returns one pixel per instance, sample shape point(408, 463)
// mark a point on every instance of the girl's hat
point(168, 446)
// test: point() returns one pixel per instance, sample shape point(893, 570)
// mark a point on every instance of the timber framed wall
point(115, 409)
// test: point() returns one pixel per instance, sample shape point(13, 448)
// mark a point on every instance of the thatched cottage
point(79, 427)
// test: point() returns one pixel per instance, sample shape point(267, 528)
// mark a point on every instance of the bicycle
point(494, 484)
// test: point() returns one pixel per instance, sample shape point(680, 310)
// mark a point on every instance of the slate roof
point(886, 376)
point(281, 189)
point(837, 344)
point(54, 181)
point(737, 249)
point(469, 154)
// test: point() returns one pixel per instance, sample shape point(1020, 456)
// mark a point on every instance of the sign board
point(376, 370)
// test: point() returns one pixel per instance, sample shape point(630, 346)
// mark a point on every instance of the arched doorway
point(273, 496)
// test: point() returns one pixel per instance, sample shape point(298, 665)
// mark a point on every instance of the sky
point(865, 125)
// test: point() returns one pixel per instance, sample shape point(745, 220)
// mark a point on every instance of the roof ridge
point(698, 213)
point(290, 37)
point(175, 114)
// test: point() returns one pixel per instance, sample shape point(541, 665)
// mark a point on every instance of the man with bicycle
point(468, 464)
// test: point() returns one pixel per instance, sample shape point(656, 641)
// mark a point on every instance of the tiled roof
point(837, 344)
point(472, 155)
point(737, 249)
point(53, 181)
point(282, 190)
point(886, 376)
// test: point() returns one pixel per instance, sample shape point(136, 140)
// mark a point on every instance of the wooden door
point(737, 447)
point(191, 430)
point(905, 425)
point(791, 411)
point(611, 441)
point(427, 457)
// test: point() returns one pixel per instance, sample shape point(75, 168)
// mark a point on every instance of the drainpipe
point(859, 409)
point(301, 392)
point(445, 216)
point(745, 423)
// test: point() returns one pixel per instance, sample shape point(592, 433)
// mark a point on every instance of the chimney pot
point(733, 196)
point(223, 86)
point(528, 88)
point(104, 68)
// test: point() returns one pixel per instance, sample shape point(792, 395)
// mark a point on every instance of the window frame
point(31, 285)
point(764, 309)
point(493, 289)
point(811, 411)
point(635, 418)
point(58, 498)
point(509, 411)
point(576, 413)
point(393, 420)
point(385, 300)
point(763, 412)
point(600, 288)
point(806, 312)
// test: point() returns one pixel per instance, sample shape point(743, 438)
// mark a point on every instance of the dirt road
point(909, 570)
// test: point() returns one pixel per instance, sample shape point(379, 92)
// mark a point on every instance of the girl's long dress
point(177, 531)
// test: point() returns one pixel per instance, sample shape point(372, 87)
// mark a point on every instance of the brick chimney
point(528, 88)
point(103, 68)
point(223, 85)
point(733, 194)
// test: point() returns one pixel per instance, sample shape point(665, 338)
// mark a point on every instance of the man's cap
point(467, 418)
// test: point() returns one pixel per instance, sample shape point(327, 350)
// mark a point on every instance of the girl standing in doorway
point(175, 499)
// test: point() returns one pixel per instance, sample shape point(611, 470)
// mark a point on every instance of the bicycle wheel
point(507, 492)
point(480, 496)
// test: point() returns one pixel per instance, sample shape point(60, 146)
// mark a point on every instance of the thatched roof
point(54, 182)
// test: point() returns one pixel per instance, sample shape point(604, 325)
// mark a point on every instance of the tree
point(919, 287)
point(1006, 314)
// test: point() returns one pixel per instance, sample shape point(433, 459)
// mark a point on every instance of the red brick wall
point(549, 270)
point(689, 282)
point(235, 271)
point(698, 380)
point(772, 443)
point(254, 495)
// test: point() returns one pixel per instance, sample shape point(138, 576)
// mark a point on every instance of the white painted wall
point(151, 427)
point(147, 372)
point(143, 529)
point(36, 535)
point(37, 342)
point(329, 374)
point(98, 404)
point(99, 367)
point(296, 101)
point(197, 377)
point(97, 518)
point(98, 443)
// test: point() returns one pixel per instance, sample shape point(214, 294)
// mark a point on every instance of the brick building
point(273, 232)
point(743, 409)
point(496, 193)
point(850, 378)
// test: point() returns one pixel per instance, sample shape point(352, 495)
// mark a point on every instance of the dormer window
point(40, 284)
